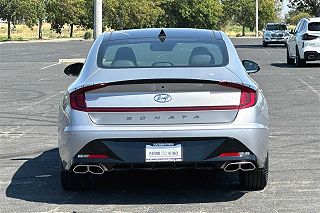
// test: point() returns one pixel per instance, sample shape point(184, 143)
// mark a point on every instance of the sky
point(285, 8)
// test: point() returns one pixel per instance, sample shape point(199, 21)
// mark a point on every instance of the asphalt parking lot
point(31, 87)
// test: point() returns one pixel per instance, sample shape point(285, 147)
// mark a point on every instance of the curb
point(71, 60)
point(46, 41)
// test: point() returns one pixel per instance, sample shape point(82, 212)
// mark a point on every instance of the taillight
point(248, 96)
point(306, 36)
point(78, 99)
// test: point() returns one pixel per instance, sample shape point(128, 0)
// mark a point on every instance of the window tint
point(276, 27)
point(169, 53)
point(314, 26)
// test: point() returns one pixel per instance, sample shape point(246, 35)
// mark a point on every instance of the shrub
point(87, 35)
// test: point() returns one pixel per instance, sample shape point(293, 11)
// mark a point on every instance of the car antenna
point(162, 36)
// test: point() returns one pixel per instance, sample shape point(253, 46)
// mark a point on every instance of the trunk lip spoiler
point(170, 80)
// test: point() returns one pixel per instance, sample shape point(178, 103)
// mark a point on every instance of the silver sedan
point(159, 99)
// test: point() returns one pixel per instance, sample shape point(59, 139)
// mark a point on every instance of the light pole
point(257, 18)
point(97, 18)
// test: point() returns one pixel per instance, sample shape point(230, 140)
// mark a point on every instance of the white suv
point(304, 42)
point(275, 33)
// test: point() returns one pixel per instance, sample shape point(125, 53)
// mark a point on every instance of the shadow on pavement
point(285, 65)
point(38, 180)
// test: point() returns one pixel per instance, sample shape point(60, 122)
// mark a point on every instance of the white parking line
point(50, 66)
point(39, 102)
point(315, 91)
point(266, 52)
point(310, 76)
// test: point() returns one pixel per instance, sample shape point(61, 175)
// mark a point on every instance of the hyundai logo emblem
point(162, 98)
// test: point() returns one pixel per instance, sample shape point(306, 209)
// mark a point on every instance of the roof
point(169, 32)
point(314, 19)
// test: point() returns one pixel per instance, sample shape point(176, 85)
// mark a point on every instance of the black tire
point(74, 182)
point(299, 62)
point(264, 44)
point(256, 179)
point(71, 181)
point(289, 60)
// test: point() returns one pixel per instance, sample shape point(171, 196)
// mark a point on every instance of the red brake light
point(248, 99)
point(77, 98)
point(306, 36)
point(248, 96)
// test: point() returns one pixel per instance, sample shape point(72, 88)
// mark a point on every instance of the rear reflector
point(230, 154)
point(93, 156)
point(248, 99)
point(98, 156)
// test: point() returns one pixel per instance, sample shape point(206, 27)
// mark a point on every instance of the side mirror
point(250, 66)
point(73, 69)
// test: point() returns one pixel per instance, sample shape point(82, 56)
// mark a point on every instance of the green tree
point(294, 16)
point(310, 6)
point(242, 12)
point(124, 14)
point(191, 13)
point(11, 11)
point(34, 13)
point(61, 12)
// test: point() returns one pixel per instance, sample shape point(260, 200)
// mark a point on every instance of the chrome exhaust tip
point(232, 167)
point(311, 57)
point(242, 165)
point(247, 166)
point(81, 169)
point(96, 169)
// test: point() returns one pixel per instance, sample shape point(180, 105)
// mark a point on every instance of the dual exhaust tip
point(93, 169)
point(230, 167)
point(242, 165)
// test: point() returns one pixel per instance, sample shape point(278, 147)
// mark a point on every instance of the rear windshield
point(183, 52)
point(276, 27)
point(314, 26)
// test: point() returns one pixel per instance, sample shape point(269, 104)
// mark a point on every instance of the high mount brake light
point(307, 37)
point(248, 99)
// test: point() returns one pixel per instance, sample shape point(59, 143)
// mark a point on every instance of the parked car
point(163, 98)
point(275, 33)
point(304, 43)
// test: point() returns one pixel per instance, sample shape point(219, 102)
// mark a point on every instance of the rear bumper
point(312, 55)
point(309, 52)
point(275, 40)
point(199, 144)
point(131, 153)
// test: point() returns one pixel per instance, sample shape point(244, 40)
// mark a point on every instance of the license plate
point(163, 152)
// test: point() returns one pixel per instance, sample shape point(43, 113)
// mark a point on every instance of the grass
point(236, 31)
point(23, 33)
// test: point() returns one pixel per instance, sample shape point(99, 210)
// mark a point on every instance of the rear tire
point(74, 182)
point(299, 62)
point(256, 179)
point(289, 60)
point(264, 44)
